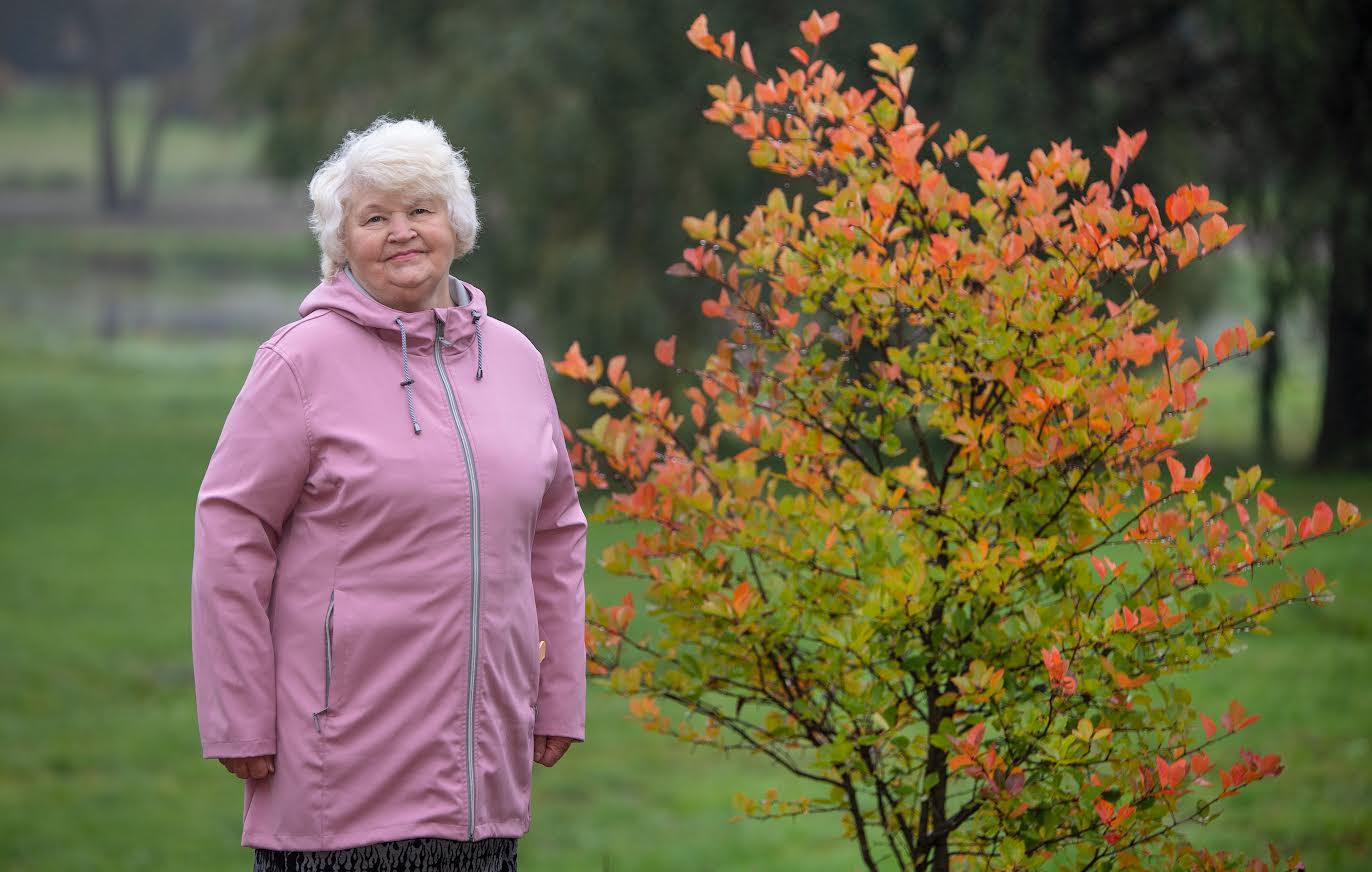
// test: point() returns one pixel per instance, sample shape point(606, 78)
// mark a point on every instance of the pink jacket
point(387, 529)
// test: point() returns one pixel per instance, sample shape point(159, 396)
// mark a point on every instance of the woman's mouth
point(405, 255)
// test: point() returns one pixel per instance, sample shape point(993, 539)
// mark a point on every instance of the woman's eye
point(421, 210)
point(373, 219)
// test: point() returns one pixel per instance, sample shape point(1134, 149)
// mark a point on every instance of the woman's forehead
point(374, 198)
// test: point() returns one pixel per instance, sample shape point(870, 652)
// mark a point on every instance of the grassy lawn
point(99, 761)
point(103, 449)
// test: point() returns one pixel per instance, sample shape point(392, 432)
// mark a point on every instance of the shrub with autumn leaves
point(917, 531)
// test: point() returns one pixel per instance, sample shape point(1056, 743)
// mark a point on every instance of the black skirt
point(406, 855)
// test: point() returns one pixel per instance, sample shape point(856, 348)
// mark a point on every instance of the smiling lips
point(405, 254)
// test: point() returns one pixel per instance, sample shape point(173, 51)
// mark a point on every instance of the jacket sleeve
point(251, 486)
point(559, 565)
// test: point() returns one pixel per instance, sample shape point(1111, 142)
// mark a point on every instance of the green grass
point(103, 448)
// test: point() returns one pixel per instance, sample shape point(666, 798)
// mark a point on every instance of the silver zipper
point(328, 659)
point(476, 580)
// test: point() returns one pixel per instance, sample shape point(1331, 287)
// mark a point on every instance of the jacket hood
point(346, 296)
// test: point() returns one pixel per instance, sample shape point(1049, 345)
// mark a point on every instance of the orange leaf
point(1348, 513)
point(743, 595)
point(699, 35)
point(1178, 471)
point(644, 707)
point(1314, 580)
point(745, 54)
point(1178, 206)
point(1214, 232)
point(1322, 517)
point(987, 163)
point(665, 350)
point(573, 365)
point(726, 42)
point(615, 369)
point(816, 28)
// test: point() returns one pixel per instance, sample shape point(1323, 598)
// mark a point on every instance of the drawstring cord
point(480, 349)
point(408, 383)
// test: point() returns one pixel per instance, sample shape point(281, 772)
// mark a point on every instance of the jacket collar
point(346, 296)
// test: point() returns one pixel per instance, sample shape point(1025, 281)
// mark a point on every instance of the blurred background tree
point(585, 139)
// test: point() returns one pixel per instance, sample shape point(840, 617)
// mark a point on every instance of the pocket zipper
point(328, 660)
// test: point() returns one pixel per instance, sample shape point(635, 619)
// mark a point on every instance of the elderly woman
point(387, 601)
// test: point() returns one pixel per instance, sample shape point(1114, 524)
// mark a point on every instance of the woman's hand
point(549, 749)
point(252, 767)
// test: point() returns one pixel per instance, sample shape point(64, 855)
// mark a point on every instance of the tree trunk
point(158, 113)
point(100, 65)
point(1270, 371)
point(1345, 440)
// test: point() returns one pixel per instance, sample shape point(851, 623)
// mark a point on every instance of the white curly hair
point(407, 157)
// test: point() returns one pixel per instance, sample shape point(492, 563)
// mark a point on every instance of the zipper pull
point(438, 327)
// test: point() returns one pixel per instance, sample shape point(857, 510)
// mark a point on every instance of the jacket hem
point(508, 829)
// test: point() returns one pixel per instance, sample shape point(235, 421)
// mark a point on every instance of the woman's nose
point(400, 227)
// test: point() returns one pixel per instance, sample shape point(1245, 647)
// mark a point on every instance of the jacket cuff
point(575, 732)
point(245, 748)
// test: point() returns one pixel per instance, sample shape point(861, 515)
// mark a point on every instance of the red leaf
point(1170, 774)
point(1200, 763)
point(1207, 725)
point(665, 350)
point(973, 737)
point(1234, 718)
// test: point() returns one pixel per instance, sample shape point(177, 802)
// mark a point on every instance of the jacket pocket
point(328, 660)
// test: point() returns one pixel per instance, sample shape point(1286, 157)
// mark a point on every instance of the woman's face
point(400, 247)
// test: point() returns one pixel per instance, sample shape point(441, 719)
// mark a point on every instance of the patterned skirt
point(407, 855)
